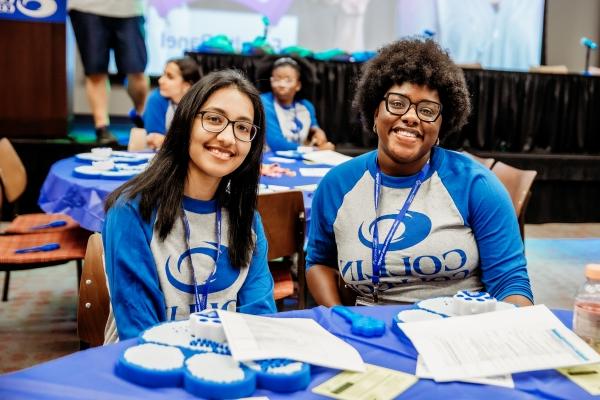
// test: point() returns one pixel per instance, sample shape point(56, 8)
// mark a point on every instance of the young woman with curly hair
point(411, 220)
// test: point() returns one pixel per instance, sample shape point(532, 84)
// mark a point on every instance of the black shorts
point(96, 35)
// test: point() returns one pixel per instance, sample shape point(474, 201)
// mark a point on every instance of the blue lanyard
point(200, 302)
point(378, 254)
point(298, 125)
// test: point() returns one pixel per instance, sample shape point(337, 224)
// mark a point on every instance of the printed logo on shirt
point(225, 274)
point(416, 228)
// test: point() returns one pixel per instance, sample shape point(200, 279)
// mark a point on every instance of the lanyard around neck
point(201, 302)
point(298, 125)
point(378, 254)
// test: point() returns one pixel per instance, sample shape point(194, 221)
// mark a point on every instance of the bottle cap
point(592, 271)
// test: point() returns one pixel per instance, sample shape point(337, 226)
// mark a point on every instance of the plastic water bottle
point(586, 315)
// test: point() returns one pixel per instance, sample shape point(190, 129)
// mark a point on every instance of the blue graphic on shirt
point(416, 228)
point(225, 276)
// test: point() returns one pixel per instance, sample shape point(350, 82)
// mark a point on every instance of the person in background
point(291, 122)
point(177, 78)
point(102, 25)
point(410, 220)
point(184, 235)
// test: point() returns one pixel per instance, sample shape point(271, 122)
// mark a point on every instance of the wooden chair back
point(94, 300)
point(283, 219)
point(488, 162)
point(518, 183)
point(12, 171)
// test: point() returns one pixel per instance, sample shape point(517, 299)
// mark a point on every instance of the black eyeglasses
point(399, 104)
point(216, 123)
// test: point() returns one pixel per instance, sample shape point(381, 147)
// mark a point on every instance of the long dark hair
point(189, 68)
point(161, 185)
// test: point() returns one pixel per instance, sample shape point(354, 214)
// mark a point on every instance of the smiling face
point(405, 141)
point(285, 82)
point(215, 155)
point(171, 84)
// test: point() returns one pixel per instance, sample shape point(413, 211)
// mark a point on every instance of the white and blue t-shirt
point(287, 127)
point(150, 280)
point(460, 231)
point(158, 113)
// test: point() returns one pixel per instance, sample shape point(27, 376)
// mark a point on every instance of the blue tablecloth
point(89, 374)
point(82, 198)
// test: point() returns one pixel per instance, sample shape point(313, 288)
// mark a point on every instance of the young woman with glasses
point(411, 220)
point(291, 122)
point(184, 235)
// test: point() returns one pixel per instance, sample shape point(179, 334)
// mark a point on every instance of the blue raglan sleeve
point(135, 295)
point(313, 114)
point(154, 113)
point(274, 136)
point(256, 295)
point(494, 223)
point(321, 248)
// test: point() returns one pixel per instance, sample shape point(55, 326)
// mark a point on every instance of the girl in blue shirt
point(291, 122)
point(178, 77)
point(184, 235)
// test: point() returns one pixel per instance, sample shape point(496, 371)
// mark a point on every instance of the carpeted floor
point(82, 130)
point(38, 323)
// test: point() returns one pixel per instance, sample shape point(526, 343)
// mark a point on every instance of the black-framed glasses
point(216, 123)
point(399, 104)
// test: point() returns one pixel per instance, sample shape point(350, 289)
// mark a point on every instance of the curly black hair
point(421, 62)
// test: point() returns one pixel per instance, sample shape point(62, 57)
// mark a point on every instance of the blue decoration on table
point(212, 346)
point(279, 381)
point(219, 390)
point(149, 377)
point(361, 325)
point(209, 370)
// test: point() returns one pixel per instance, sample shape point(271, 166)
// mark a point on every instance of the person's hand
point(326, 146)
point(319, 140)
point(275, 171)
point(317, 137)
point(155, 140)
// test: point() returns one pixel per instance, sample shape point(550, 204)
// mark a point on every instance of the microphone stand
point(586, 71)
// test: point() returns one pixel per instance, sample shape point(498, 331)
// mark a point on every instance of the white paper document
point(307, 188)
point(328, 157)
point(282, 160)
point(252, 337)
point(262, 188)
point(497, 343)
point(499, 380)
point(316, 172)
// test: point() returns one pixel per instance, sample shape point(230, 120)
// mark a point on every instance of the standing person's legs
point(137, 88)
point(97, 90)
point(131, 58)
point(93, 37)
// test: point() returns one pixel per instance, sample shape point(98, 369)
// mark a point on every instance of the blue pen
point(53, 224)
point(43, 247)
